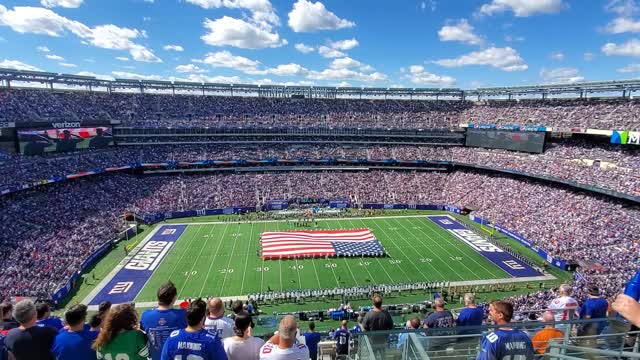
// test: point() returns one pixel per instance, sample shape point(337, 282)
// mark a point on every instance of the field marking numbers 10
point(190, 273)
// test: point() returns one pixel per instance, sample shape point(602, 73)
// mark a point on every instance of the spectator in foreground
point(595, 307)
point(541, 339)
point(283, 346)
point(242, 346)
point(194, 341)
point(564, 305)
point(441, 318)
point(44, 317)
point(216, 323)
point(120, 337)
point(628, 308)
point(504, 342)
point(75, 342)
point(311, 339)
point(412, 324)
point(28, 341)
point(342, 337)
point(160, 322)
point(471, 315)
point(378, 319)
point(8, 322)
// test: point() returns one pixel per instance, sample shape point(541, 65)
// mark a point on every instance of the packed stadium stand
point(578, 199)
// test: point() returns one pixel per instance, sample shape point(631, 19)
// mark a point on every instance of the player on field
point(216, 323)
point(504, 343)
point(194, 342)
point(283, 345)
point(160, 322)
point(119, 337)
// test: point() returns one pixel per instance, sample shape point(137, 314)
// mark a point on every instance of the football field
point(222, 259)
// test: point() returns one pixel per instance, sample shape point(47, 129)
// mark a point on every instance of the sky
point(372, 43)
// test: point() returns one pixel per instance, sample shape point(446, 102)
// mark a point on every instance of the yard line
point(262, 271)
point(187, 248)
point(334, 272)
point(345, 259)
point(405, 255)
point(231, 257)
point(456, 242)
point(298, 270)
point(362, 258)
point(434, 254)
point(379, 263)
point(280, 264)
point(246, 261)
point(204, 283)
point(316, 271)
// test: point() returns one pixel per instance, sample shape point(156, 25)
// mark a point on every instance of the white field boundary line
point(453, 283)
point(119, 267)
point(284, 220)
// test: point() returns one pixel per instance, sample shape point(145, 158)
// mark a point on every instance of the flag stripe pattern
point(351, 242)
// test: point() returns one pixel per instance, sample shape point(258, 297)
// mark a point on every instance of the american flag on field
point(353, 242)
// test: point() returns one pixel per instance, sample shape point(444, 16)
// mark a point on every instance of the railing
point(613, 340)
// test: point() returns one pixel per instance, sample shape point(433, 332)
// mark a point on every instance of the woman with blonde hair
point(120, 337)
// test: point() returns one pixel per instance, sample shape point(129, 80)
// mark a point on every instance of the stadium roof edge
point(582, 88)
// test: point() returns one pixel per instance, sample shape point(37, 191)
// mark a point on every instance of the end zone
point(499, 257)
point(124, 283)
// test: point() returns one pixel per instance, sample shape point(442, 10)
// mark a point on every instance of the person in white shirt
point(283, 345)
point(243, 346)
point(564, 305)
point(216, 323)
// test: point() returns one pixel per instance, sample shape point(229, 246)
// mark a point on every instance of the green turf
point(222, 260)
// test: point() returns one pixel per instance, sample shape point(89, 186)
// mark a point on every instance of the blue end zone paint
point(504, 260)
point(127, 283)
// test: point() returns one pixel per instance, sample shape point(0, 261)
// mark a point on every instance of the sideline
point(318, 219)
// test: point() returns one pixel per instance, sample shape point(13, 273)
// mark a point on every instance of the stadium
point(213, 214)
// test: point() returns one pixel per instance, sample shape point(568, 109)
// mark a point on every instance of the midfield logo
point(121, 287)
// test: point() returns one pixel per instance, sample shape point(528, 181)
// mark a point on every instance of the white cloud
point(213, 79)
point(54, 57)
point(261, 10)
point(344, 45)
point(97, 76)
point(134, 76)
point(630, 48)
point(149, 1)
point(523, 8)
point(177, 48)
point(558, 56)
point(622, 25)
point(17, 65)
point(122, 58)
point(69, 65)
point(344, 63)
point(225, 59)
point(72, 4)
point(588, 56)
point(622, 7)
point(304, 48)
point(462, 31)
point(189, 68)
point(564, 75)
point(287, 83)
point(43, 49)
point(506, 59)
point(307, 16)
point(34, 20)
point(631, 68)
point(285, 70)
point(418, 75)
point(346, 74)
point(512, 38)
point(328, 52)
point(239, 33)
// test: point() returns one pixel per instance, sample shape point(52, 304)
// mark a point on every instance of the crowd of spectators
point(155, 110)
point(48, 232)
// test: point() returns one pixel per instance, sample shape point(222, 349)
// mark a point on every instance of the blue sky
point(382, 43)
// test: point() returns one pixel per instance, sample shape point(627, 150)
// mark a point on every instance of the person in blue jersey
point(504, 343)
point(75, 342)
point(471, 315)
point(160, 322)
point(342, 337)
point(595, 307)
point(194, 342)
point(44, 317)
point(311, 339)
